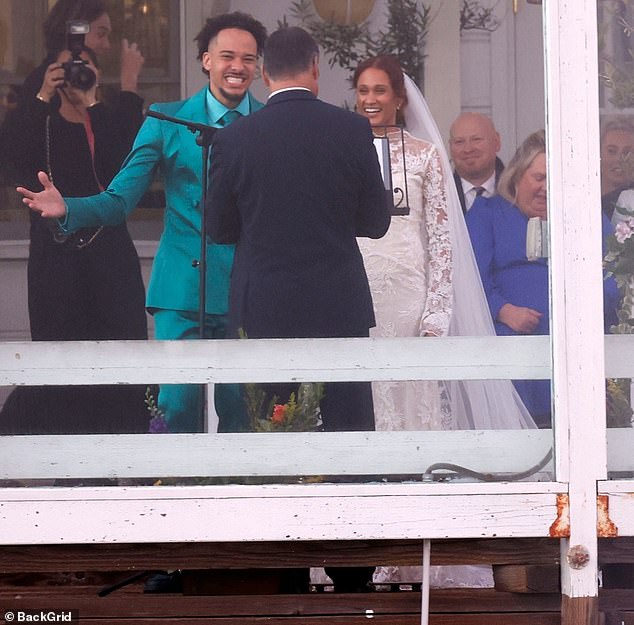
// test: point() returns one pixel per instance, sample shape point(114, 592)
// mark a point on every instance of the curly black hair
point(241, 21)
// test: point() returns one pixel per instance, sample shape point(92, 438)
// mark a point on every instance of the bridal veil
point(475, 404)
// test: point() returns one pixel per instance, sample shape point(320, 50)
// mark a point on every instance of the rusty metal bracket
point(561, 525)
point(605, 526)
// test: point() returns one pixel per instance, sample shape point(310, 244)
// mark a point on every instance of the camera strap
point(84, 237)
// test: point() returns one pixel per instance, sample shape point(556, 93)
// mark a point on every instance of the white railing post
point(576, 288)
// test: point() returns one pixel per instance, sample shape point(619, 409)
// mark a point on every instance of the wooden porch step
point(456, 606)
point(31, 578)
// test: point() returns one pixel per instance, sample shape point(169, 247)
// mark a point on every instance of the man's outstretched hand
point(48, 202)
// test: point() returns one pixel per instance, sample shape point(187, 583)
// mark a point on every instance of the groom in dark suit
point(293, 185)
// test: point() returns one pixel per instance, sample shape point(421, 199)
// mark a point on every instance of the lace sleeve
point(437, 313)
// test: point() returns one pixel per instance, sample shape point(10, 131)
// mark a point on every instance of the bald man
point(474, 143)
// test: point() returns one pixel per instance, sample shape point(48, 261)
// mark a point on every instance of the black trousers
point(345, 406)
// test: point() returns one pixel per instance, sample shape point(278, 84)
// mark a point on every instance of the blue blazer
point(171, 150)
point(498, 234)
point(294, 185)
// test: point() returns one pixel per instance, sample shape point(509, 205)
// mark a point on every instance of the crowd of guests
point(456, 264)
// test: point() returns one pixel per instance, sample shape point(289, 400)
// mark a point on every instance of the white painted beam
point(312, 512)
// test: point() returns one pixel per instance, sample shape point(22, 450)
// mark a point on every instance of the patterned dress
point(409, 271)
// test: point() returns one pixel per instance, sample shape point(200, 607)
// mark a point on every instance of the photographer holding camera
point(97, 39)
point(88, 285)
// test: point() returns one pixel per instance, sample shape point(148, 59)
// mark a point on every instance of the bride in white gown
point(425, 282)
point(410, 268)
point(422, 273)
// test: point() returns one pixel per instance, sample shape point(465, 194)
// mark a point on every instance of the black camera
point(76, 71)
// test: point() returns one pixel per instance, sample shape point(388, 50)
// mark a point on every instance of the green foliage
point(474, 16)
point(617, 76)
point(618, 408)
point(348, 45)
point(298, 414)
point(619, 259)
point(619, 263)
point(158, 424)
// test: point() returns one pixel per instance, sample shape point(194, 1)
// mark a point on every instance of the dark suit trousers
point(345, 407)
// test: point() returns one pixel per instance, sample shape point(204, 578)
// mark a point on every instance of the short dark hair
point(289, 51)
point(241, 21)
point(64, 11)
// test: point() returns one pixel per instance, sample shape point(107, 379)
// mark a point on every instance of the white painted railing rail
point(363, 453)
point(455, 358)
point(274, 360)
point(368, 453)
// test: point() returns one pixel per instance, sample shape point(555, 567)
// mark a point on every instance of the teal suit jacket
point(172, 150)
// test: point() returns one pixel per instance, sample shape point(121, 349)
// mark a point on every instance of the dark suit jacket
point(293, 185)
point(499, 168)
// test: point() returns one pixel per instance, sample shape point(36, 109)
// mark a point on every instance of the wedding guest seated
point(506, 232)
point(617, 160)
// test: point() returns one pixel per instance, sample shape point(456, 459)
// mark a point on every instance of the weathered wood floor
point(31, 579)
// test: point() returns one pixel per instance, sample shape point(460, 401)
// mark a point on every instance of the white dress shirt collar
point(288, 89)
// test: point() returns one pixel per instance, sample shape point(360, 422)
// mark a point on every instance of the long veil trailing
point(475, 404)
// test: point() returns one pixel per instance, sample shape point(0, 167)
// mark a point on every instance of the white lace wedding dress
point(409, 271)
point(410, 276)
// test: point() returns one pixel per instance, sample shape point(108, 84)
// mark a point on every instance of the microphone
point(193, 126)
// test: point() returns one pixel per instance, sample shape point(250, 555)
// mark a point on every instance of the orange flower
point(279, 412)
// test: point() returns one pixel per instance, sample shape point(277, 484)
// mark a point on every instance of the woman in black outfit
point(87, 286)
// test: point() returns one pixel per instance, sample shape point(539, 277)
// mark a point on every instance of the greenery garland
point(346, 45)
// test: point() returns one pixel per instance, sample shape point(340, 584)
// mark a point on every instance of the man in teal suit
point(228, 45)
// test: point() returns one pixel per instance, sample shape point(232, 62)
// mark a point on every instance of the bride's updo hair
point(390, 65)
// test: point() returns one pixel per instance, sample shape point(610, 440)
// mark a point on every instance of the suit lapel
point(182, 140)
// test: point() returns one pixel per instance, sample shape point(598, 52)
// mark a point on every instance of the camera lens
point(78, 75)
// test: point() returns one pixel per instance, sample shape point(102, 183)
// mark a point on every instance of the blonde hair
point(533, 145)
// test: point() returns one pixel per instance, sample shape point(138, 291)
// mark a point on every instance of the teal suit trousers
point(183, 404)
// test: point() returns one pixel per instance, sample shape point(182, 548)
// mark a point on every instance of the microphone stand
point(204, 139)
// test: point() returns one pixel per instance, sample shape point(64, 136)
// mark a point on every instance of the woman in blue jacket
point(516, 284)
